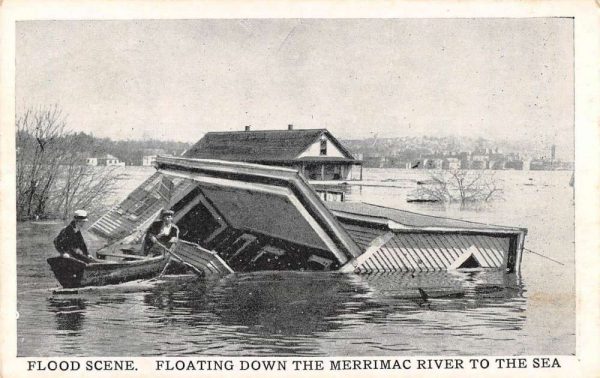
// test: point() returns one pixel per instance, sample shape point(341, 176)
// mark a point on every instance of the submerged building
point(315, 153)
point(245, 217)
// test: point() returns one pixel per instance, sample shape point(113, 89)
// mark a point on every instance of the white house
point(109, 160)
point(316, 153)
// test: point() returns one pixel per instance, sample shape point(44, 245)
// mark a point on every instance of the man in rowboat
point(70, 243)
point(162, 231)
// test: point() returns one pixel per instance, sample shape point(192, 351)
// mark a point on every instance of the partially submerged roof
point(272, 212)
point(260, 145)
point(407, 220)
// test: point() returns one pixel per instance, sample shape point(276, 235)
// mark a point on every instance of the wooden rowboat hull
point(72, 273)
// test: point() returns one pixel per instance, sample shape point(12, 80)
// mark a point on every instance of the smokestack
point(247, 128)
point(290, 127)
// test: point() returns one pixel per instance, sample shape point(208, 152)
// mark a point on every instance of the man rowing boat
point(162, 231)
point(70, 243)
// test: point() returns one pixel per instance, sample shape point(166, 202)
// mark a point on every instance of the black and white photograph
point(358, 188)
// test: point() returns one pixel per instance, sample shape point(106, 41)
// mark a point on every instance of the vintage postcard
point(228, 188)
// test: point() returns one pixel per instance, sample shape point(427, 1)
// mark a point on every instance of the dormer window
point(323, 145)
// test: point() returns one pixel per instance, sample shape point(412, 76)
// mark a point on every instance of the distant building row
point(106, 160)
point(492, 161)
point(109, 160)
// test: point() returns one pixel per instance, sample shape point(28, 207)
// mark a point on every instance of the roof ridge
point(435, 216)
point(269, 130)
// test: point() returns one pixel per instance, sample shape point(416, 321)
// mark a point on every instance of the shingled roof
point(260, 145)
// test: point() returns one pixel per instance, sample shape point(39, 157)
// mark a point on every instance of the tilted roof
point(259, 145)
point(408, 218)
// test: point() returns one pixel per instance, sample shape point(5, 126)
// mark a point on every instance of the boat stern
point(67, 270)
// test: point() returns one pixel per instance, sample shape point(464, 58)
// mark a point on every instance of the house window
point(323, 146)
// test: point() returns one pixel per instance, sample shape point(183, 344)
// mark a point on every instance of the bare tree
point(52, 178)
point(82, 186)
point(462, 186)
point(38, 158)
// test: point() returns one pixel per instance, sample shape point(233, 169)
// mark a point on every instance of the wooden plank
point(440, 248)
point(501, 245)
point(447, 242)
point(363, 259)
point(413, 245)
point(397, 253)
point(110, 254)
point(408, 253)
point(490, 250)
point(202, 259)
point(378, 265)
point(397, 247)
point(481, 255)
point(438, 263)
point(389, 264)
point(392, 255)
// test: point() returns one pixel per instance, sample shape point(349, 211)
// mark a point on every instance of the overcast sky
point(176, 80)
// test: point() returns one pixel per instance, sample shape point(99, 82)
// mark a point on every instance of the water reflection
point(284, 312)
point(291, 313)
point(289, 304)
point(69, 313)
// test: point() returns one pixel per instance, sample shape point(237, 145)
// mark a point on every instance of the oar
point(178, 258)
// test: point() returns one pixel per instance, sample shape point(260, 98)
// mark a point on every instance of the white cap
point(80, 215)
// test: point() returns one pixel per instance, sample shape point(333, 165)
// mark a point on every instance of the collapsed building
point(236, 216)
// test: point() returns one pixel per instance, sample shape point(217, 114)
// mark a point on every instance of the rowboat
point(72, 273)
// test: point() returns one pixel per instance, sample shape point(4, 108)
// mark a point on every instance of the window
point(323, 146)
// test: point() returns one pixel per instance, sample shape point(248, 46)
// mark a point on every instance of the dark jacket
point(69, 240)
point(154, 230)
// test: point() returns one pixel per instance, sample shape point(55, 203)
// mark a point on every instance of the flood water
point(324, 314)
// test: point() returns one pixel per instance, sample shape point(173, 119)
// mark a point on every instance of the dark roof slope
point(260, 145)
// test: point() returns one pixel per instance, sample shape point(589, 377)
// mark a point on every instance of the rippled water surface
point(326, 314)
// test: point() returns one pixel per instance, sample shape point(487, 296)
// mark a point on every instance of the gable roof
point(260, 145)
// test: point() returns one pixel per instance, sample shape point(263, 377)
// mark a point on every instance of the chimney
point(247, 128)
point(290, 127)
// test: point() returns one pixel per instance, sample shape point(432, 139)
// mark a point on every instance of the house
point(514, 164)
point(451, 163)
point(496, 164)
point(109, 160)
point(433, 163)
point(316, 153)
point(479, 164)
point(480, 161)
point(256, 217)
point(91, 161)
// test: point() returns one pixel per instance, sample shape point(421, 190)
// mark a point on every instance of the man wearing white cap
point(70, 243)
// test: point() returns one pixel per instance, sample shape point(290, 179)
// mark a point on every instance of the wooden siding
point(426, 252)
point(363, 236)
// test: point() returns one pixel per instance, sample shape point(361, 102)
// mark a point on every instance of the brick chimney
point(290, 127)
point(247, 128)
